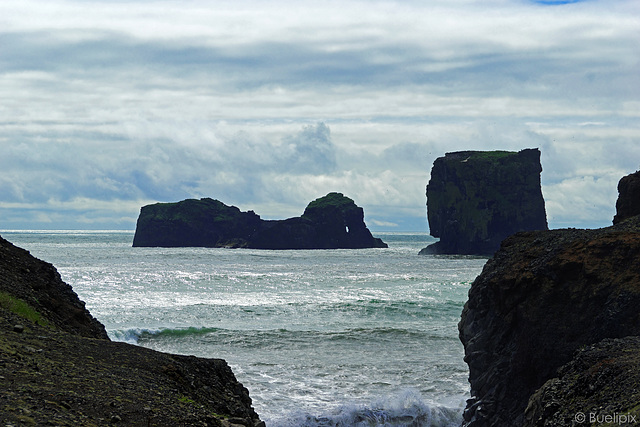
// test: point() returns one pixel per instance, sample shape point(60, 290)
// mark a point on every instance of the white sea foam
point(407, 408)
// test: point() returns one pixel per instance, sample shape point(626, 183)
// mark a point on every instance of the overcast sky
point(106, 106)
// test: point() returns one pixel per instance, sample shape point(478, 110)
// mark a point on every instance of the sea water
point(362, 337)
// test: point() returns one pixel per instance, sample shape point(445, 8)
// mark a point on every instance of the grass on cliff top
point(332, 199)
point(192, 209)
point(22, 309)
point(492, 155)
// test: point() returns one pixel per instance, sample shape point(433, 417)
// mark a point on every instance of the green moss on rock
point(22, 309)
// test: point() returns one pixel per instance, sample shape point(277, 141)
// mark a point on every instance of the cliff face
point(38, 284)
point(331, 222)
point(205, 222)
point(543, 296)
point(475, 199)
point(59, 364)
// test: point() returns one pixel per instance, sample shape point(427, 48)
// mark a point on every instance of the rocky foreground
point(58, 367)
point(551, 328)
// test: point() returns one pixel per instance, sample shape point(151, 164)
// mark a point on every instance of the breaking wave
point(407, 409)
point(134, 335)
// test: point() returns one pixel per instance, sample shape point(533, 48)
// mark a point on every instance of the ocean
point(362, 337)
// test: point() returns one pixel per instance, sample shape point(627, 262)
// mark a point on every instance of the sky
point(106, 106)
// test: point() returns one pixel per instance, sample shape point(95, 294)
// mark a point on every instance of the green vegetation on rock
point(335, 200)
point(22, 309)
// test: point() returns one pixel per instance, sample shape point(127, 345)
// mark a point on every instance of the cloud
point(269, 105)
point(557, 2)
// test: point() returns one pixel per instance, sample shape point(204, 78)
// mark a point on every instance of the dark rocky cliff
point(330, 222)
point(58, 367)
point(205, 222)
point(628, 203)
point(599, 386)
point(475, 199)
point(39, 285)
point(542, 297)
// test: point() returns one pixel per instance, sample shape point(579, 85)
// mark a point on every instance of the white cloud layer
point(107, 106)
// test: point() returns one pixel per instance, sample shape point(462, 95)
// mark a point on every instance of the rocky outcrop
point(599, 386)
point(628, 203)
point(475, 199)
point(542, 297)
point(38, 284)
point(59, 366)
point(330, 222)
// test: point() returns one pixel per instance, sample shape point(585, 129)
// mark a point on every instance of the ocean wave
point(406, 409)
point(135, 335)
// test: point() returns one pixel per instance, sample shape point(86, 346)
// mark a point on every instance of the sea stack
point(475, 199)
point(330, 222)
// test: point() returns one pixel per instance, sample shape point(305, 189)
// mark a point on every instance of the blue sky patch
point(557, 2)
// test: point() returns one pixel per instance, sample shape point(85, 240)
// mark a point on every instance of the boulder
point(475, 199)
point(330, 222)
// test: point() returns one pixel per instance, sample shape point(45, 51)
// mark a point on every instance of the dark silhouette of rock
point(205, 222)
point(59, 364)
point(543, 296)
point(39, 285)
point(475, 199)
point(330, 222)
point(628, 203)
point(599, 385)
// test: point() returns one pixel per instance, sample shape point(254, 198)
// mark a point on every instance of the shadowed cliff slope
point(475, 199)
point(38, 284)
point(599, 385)
point(330, 222)
point(542, 297)
point(60, 368)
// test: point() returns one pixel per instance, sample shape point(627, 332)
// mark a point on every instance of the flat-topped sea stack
point(330, 222)
point(475, 199)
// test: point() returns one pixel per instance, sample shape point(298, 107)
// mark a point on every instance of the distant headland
point(330, 222)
